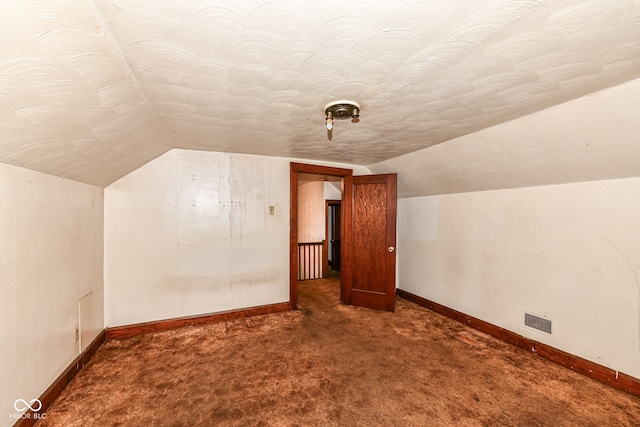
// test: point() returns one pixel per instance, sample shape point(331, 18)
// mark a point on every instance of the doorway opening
point(367, 228)
point(301, 173)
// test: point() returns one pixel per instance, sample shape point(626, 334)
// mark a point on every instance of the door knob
point(391, 248)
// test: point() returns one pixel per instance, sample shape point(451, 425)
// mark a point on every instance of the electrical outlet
point(272, 210)
point(76, 333)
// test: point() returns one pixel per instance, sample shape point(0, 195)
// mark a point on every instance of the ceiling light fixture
point(341, 110)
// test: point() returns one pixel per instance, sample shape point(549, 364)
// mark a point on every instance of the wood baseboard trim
point(120, 332)
point(29, 418)
point(593, 370)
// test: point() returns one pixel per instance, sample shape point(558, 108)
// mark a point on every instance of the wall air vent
point(538, 323)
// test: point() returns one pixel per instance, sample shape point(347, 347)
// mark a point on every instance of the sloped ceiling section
point(92, 89)
point(591, 138)
point(68, 105)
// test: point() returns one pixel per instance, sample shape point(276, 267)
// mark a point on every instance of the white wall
point(570, 253)
point(312, 209)
point(50, 272)
point(190, 233)
point(333, 190)
point(311, 214)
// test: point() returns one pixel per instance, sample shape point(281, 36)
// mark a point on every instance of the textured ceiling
point(91, 90)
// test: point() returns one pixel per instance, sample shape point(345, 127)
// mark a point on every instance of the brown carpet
point(332, 365)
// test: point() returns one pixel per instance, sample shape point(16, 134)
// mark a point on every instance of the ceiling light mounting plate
point(343, 109)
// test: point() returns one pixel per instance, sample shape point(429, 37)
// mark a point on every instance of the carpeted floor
point(332, 365)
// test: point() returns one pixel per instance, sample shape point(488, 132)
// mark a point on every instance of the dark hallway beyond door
point(334, 220)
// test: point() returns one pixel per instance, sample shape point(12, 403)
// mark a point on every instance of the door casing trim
point(295, 169)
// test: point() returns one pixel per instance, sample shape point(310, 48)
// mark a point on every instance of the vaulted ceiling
point(92, 89)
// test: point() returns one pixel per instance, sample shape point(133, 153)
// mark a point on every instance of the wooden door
point(369, 276)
